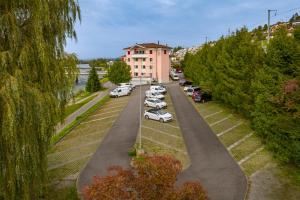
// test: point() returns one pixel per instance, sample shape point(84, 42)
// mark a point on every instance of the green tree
point(93, 84)
point(98, 63)
point(119, 72)
point(35, 80)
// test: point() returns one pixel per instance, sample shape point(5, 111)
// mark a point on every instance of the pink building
point(149, 60)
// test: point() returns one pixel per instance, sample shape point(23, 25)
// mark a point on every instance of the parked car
point(185, 88)
point(120, 91)
point(128, 84)
point(184, 82)
point(196, 93)
point(190, 90)
point(197, 98)
point(155, 103)
point(152, 94)
point(158, 88)
point(159, 115)
point(174, 76)
point(203, 97)
point(178, 70)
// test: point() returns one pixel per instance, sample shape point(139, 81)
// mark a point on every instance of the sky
point(108, 26)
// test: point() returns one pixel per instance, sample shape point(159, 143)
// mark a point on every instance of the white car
point(155, 103)
point(159, 89)
point(159, 115)
point(120, 91)
point(187, 87)
point(128, 84)
point(151, 94)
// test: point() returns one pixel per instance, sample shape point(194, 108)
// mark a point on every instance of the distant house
point(149, 61)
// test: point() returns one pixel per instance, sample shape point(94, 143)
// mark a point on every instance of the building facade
point(149, 61)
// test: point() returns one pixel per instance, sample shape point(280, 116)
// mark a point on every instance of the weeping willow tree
point(35, 80)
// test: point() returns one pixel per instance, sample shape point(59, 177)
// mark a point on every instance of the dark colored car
point(202, 96)
point(184, 82)
point(196, 93)
point(178, 71)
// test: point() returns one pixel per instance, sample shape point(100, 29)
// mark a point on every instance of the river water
point(82, 78)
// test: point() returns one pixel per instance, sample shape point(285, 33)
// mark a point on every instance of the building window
point(128, 59)
point(144, 67)
point(142, 74)
point(144, 59)
point(151, 59)
point(136, 67)
point(128, 52)
point(136, 74)
point(150, 67)
point(150, 52)
point(136, 59)
point(165, 51)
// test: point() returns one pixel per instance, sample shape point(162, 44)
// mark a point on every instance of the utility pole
point(269, 19)
point(206, 39)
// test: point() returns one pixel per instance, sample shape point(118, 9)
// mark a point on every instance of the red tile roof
point(149, 45)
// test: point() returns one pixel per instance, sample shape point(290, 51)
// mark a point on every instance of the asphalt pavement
point(211, 163)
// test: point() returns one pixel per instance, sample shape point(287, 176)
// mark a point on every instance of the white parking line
point(165, 124)
point(68, 162)
point(111, 107)
point(231, 128)
point(217, 122)
point(240, 141)
point(74, 148)
point(116, 103)
point(106, 113)
point(99, 119)
point(210, 115)
point(250, 155)
point(165, 133)
point(165, 145)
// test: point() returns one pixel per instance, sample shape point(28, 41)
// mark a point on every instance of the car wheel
point(161, 120)
point(146, 117)
point(157, 107)
point(146, 105)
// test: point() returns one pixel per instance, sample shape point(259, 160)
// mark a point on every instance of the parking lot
point(237, 136)
point(70, 155)
point(164, 138)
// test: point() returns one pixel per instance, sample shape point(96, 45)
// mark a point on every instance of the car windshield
point(161, 112)
point(190, 90)
point(156, 93)
point(156, 101)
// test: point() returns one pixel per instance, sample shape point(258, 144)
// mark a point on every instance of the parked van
point(120, 91)
point(128, 84)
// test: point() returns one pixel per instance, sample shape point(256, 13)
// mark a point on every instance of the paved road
point(60, 126)
point(113, 149)
point(211, 163)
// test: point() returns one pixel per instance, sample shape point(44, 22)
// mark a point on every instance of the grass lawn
point(73, 107)
point(70, 154)
point(244, 145)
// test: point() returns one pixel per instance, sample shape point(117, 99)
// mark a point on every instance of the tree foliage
point(35, 79)
point(119, 72)
point(98, 63)
point(263, 85)
point(93, 84)
point(150, 178)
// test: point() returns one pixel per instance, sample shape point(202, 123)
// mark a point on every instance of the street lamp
point(140, 150)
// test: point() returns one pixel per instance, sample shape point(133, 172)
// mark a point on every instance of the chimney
point(158, 42)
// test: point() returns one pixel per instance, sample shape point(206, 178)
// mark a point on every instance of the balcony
point(139, 56)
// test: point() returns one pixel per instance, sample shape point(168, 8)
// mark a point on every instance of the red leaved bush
point(152, 177)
